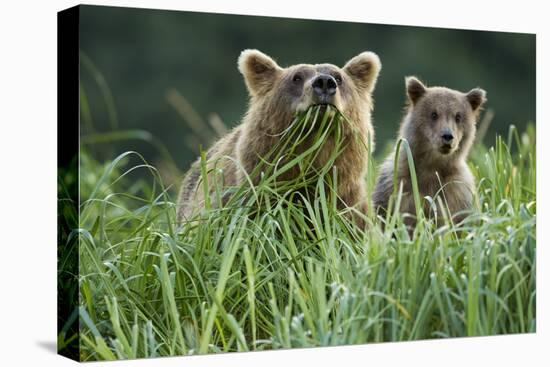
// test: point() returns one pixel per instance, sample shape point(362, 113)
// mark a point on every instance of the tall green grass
point(268, 271)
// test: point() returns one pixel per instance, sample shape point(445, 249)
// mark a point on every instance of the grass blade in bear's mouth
point(323, 105)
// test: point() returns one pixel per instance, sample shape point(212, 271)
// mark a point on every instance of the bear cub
point(439, 125)
point(277, 94)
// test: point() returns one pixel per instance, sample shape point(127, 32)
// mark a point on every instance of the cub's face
point(286, 91)
point(442, 119)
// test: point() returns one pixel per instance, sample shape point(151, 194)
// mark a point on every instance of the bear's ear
point(259, 71)
point(364, 69)
point(415, 88)
point(476, 98)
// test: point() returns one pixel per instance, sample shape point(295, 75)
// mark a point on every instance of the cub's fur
point(440, 126)
point(276, 95)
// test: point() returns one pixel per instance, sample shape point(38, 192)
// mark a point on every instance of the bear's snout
point(447, 136)
point(324, 88)
point(447, 140)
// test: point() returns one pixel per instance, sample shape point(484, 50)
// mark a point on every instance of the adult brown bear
point(277, 94)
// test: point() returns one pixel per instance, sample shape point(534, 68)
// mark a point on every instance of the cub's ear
point(476, 98)
point(259, 71)
point(415, 88)
point(363, 70)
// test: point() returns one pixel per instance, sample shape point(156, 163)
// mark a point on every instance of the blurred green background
point(167, 81)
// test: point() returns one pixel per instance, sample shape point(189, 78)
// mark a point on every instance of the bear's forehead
point(314, 68)
point(443, 98)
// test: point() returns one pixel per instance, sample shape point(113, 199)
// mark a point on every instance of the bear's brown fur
point(439, 126)
point(276, 95)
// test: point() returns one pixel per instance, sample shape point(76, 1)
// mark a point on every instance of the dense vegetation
point(274, 269)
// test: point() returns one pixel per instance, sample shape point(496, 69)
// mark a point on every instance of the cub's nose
point(447, 137)
point(324, 85)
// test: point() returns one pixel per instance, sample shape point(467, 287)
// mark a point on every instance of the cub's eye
point(297, 78)
point(458, 118)
point(434, 116)
point(338, 79)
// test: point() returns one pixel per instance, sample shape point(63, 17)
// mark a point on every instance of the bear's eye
point(297, 78)
point(458, 118)
point(338, 79)
point(434, 115)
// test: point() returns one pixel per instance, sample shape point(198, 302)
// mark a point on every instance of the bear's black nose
point(447, 137)
point(324, 85)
